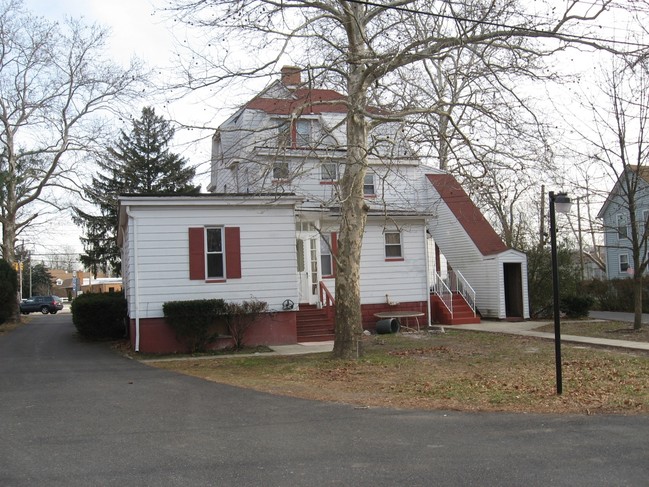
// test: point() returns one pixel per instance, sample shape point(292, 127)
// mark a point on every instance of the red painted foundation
point(156, 336)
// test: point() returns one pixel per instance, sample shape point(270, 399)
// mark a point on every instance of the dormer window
point(294, 134)
point(303, 133)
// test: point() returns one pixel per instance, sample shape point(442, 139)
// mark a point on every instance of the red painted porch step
point(462, 313)
point(314, 325)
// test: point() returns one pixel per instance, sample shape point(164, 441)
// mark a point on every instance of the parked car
point(44, 304)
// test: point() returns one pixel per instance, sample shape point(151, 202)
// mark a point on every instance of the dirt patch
point(458, 370)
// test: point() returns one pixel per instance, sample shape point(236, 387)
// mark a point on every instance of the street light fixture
point(558, 202)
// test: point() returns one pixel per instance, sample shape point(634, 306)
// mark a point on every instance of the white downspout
point(136, 282)
point(427, 257)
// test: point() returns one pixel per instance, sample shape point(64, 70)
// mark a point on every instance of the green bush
point(8, 291)
point(100, 316)
point(616, 294)
point(194, 322)
point(576, 306)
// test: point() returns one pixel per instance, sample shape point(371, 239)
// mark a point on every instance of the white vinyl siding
point(267, 255)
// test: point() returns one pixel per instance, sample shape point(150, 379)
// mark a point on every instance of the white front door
point(308, 266)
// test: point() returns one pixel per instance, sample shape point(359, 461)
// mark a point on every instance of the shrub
point(194, 322)
point(576, 306)
point(100, 316)
point(239, 317)
point(8, 291)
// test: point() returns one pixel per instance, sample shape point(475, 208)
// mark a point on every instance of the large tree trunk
point(637, 301)
point(353, 208)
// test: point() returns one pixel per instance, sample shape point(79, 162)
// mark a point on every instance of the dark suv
point(44, 304)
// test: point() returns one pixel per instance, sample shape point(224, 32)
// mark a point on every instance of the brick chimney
point(291, 76)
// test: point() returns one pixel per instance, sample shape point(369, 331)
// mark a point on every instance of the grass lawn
point(457, 370)
point(615, 330)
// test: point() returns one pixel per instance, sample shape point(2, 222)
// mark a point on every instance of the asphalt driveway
point(74, 413)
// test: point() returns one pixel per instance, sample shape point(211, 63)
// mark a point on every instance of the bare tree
point(618, 139)
point(367, 48)
point(54, 85)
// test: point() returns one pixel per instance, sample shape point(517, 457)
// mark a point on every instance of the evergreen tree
point(139, 162)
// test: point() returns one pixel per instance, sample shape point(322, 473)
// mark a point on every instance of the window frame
point(284, 175)
point(328, 245)
point(325, 175)
point(303, 139)
point(231, 245)
point(620, 263)
point(365, 186)
point(208, 253)
point(618, 227)
point(393, 245)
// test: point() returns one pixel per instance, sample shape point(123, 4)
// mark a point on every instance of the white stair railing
point(443, 292)
point(463, 287)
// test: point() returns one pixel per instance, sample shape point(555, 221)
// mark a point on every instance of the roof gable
point(467, 213)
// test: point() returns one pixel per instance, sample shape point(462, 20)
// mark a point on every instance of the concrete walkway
point(526, 328)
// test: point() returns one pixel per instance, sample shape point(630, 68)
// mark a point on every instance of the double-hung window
point(622, 226)
point(624, 263)
point(368, 185)
point(393, 248)
point(283, 133)
point(303, 133)
point(214, 253)
point(327, 243)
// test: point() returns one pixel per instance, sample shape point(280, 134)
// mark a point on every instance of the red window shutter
point(197, 253)
point(233, 252)
point(334, 251)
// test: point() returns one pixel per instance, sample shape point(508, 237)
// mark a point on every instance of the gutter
point(136, 291)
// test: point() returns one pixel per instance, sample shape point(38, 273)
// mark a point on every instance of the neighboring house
point(616, 221)
point(268, 230)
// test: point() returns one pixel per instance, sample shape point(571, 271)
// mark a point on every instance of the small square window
point(393, 245)
point(329, 171)
point(280, 170)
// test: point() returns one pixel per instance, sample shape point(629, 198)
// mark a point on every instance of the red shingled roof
point(468, 214)
point(303, 101)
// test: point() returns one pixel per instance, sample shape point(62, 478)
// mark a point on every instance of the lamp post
point(561, 203)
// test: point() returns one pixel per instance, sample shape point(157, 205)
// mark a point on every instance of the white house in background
point(268, 230)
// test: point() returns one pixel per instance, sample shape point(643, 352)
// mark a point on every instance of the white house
point(268, 230)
